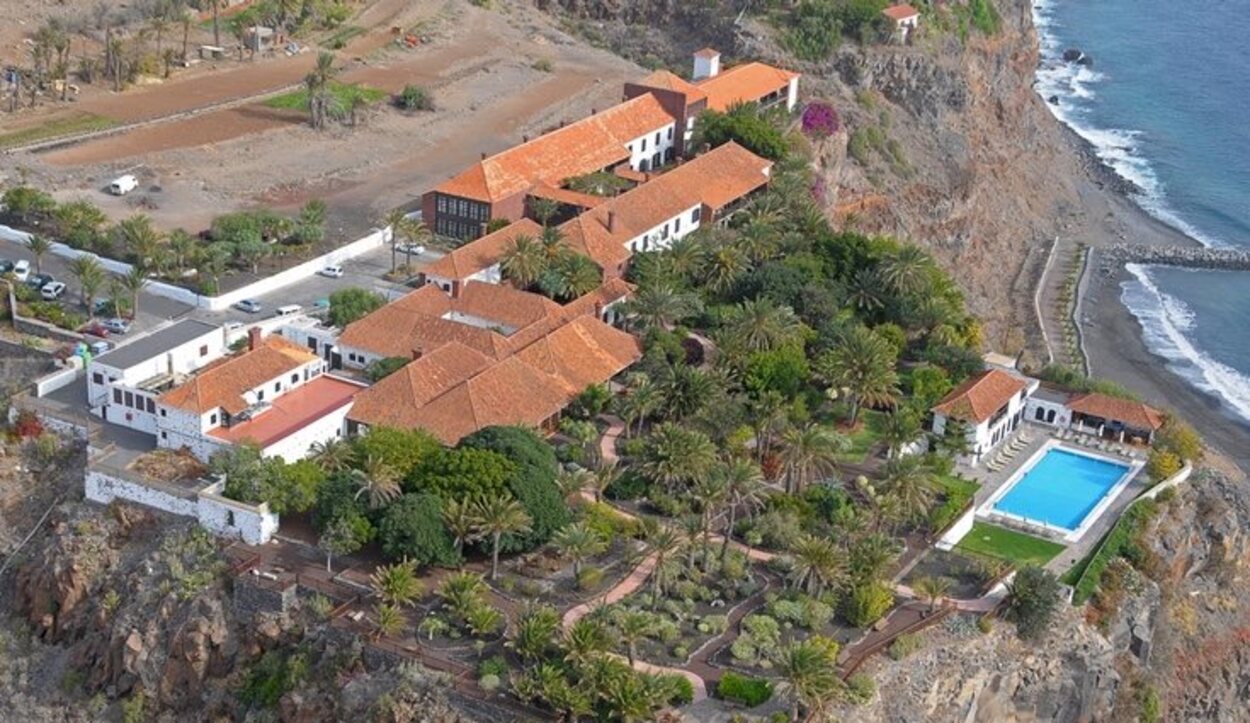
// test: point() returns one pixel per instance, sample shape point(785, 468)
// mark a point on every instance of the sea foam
point(1164, 320)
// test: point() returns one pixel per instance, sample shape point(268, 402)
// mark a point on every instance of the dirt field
point(478, 65)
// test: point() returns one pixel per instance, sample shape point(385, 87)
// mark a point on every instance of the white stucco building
point(991, 405)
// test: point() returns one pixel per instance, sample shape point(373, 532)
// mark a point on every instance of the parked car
point(333, 271)
point(39, 281)
point(116, 325)
point(251, 306)
point(52, 290)
point(412, 249)
point(123, 185)
point(99, 347)
point(95, 328)
point(5, 266)
point(103, 307)
point(287, 310)
point(21, 270)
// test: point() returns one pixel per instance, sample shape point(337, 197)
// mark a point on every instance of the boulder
point(1072, 55)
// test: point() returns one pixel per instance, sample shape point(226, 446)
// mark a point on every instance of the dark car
point(95, 329)
point(5, 266)
point(39, 281)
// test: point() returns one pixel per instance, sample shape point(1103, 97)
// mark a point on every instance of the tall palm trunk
point(216, 23)
point(494, 556)
point(724, 545)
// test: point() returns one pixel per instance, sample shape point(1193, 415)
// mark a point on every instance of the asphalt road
point(364, 271)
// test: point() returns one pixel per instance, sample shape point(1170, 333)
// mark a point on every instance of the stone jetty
point(1196, 257)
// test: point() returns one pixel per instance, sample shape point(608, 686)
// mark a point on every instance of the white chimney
point(706, 64)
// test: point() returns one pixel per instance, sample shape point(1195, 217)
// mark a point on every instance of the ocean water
point(1166, 102)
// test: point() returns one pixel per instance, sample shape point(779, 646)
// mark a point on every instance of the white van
point(123, 185)
point(287, 310)
point(22, 270)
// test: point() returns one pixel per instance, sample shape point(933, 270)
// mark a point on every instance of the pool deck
point(1038, 435)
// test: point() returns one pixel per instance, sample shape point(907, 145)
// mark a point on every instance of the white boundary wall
point(374, 239)
point(957, 531)
point(254, 524)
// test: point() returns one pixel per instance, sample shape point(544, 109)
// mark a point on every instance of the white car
point(52, 290)
point(333, 271)
point(22, 270)
point(413, 249)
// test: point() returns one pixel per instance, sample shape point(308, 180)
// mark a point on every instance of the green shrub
point(1162, 464)
point(1151, 709)
point(1130, 525)
point(414, 97)
point(867, 603)
point(494, 665)
point(681, 652)
point(744, 650)
point(748, 691)
point(542, 65)
point(861, 688)
point(489, 682)
point(683, 689)
point(985, 624)
point(903, 646)
point(629, 485)
point(589, 578)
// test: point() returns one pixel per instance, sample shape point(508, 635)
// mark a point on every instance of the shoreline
point(1114, 338)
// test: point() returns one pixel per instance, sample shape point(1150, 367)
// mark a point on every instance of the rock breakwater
point(1194, 257)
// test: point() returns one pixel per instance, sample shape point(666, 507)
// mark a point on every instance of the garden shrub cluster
point(743, 689)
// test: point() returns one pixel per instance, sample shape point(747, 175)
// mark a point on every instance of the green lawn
point(956, 494)
point(1015, 547)
point(73, 125)
point(863, 438)
point(298, 99)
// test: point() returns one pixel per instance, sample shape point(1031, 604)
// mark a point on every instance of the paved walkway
point(607, 445)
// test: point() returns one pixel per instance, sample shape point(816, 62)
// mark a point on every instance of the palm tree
point(899, 429)
point(458, 516)
point(552, 241)
point(378, 480)
point(317, 83)
point(333, 455)
point(758, 241)
point(908, 270)
point(818, 564)
point(865, 291)
point(543, 209)
point(660, 306)
point(524, 262)
point(768, 416)
point(603, 478)
point(912, 482)
point(578, 275)
point(397, 584)
point(632, 626)
point(571, 482)
point(405, 228)
point(639, 402)
point(745, 491)
point(933, 589)
point(133, 282)
point(90, 275)
point(137, 235)
point(182, 246)
point(664, 544)
point(38, 246)
point(498, 515)
point(685, 390)
point(761, 324)
point(809, 452)
point(710, 492)
point(388, 620)
point(863, 364)
point(677, 455)
point(584, 641)
point(722, 267)
point(578, 542)
point(535, 631)
point(809, 671)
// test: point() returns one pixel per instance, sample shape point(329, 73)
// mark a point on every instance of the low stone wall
point(59, 379)
point(255, 595)
point(105, 486)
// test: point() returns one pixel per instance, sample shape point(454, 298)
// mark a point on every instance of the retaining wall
point(958, 529)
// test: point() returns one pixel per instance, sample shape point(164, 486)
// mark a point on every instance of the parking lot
point(365, 272)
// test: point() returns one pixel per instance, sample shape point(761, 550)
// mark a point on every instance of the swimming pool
point(1061, 489)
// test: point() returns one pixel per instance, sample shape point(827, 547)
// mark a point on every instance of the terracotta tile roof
point(453, 391)
point(900, 12)
point(588, 145)
point(1133, 414)
point(743, 83)
point(393, 400)
point(612, 291)
point(977, 399)
point(223, 383)
point(427, 318)
point(665, 80)
point(565, 196)
point(293, 411)
point(713, 179)
point(483, 253)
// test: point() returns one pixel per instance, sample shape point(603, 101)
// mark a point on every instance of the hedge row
point(1120, 539)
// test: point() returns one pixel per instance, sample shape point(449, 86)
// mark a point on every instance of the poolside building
point(990, 404)
point(1094, 413)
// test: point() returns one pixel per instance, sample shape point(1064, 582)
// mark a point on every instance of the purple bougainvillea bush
point(820, 120)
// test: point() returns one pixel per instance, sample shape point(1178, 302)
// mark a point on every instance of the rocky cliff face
point(113, 604)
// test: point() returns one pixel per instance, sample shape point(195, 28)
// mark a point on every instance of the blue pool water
point(1061, 489)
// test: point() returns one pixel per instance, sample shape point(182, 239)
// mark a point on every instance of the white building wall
point(295, 446)
point(254, 524)
point(1054, 414)
point(644, 148)
point(792, 94)
point(678, 226)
